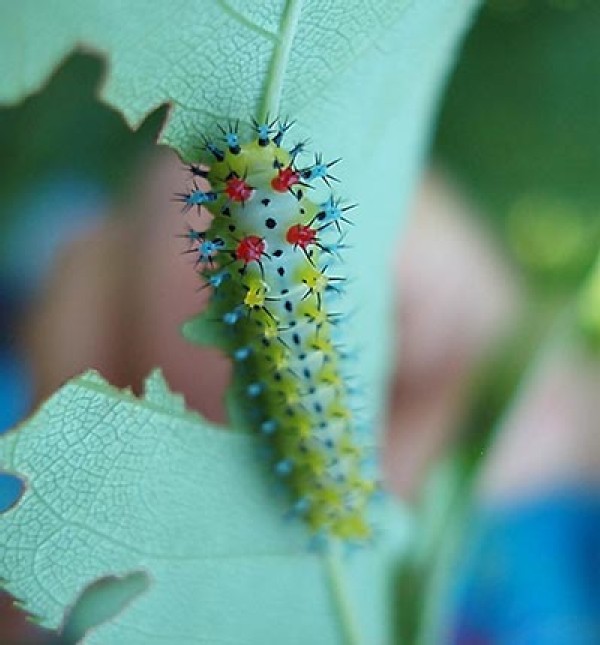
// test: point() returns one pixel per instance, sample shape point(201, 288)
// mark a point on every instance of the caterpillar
point(270, 256)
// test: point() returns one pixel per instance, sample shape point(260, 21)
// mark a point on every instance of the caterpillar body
point(271, 256)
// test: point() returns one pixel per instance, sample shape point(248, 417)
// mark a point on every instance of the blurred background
point(494, 419)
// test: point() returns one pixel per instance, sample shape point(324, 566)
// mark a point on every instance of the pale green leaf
point(116, 485)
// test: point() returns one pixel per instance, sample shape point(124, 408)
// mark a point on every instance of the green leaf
point(117, 485)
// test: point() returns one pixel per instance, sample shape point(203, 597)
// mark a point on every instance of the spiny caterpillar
point(270, 256)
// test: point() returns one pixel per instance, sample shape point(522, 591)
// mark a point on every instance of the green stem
point(339, 592)
point(281, 55)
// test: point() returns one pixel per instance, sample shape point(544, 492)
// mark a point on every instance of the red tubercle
point(301, 235)
point(250, 249)
point(285, 179)
point(237, 189)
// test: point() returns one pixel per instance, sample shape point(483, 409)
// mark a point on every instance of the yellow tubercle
point(256, 294)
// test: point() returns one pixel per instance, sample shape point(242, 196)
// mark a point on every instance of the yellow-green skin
point(287, 365)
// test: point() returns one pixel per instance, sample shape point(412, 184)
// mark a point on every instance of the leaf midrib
point(271, 98)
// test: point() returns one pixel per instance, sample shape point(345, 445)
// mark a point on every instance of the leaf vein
point(245, 22)
point(279, 62)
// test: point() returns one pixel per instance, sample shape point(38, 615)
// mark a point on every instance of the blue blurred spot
point(531, 574)
point(15, 389)
point(11, 489)
point(61, 209)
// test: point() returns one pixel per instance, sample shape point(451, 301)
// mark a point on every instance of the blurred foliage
point(589, 308)
point(519, 127)
point(66, 130)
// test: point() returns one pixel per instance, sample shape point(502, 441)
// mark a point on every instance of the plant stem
point(281, 54)
point(339, 592)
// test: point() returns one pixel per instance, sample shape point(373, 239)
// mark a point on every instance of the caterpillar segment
point(271, 256)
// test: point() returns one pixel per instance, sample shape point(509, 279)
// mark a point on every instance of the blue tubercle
point(208, 249)
point(242, 353)
point(268, 427)
point(255, 389)
point(284, 467)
